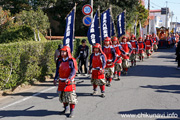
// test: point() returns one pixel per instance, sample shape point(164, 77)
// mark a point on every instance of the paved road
point(152, 87)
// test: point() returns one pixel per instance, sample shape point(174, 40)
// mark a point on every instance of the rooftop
point(153, 11)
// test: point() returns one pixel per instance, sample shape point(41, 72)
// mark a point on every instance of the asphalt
point(150, 89)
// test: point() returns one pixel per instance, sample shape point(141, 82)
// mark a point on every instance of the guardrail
point(60, 37)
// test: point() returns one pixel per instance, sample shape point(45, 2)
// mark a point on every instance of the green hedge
point(26, 62)
point(19, 33)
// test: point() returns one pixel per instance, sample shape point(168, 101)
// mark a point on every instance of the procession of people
point(112, 53)
point(106, 63)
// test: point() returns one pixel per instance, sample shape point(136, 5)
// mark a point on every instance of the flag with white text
point(69, 31)
point(93, 32)
point(121, 24)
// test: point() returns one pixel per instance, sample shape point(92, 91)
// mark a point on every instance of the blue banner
point(121, 24)
point(93, 32)
point(106, 24)
point(113, 28)
point(69, 31)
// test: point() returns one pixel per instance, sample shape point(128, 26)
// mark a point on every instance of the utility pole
point(91, 3)
point(166, 25)
point(171, 25)
point(176, 25)
point(149, 17)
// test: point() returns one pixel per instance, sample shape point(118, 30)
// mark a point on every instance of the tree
point(16, 6)
point(62, 8)
point(142, 16)
point(5, 19)
point(35, 19)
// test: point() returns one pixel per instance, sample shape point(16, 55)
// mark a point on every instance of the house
point(157, 20)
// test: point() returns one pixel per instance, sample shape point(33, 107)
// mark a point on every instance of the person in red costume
point(134, 44)
point(66, 70)
point(97, 65)
point(148, 43)
point(118, 61)
point(111, 57)
point(177, 38)
point(142, 48)
point(127, 49)
point(152, 40)
point(155, 41)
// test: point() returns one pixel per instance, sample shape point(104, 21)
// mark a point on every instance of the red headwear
point(133, 36)
point(150, 36)
point(68, 50)
point(108, 39)
point(115, 39)
point(140, 38)
point(97, 45)
point(147, 36)
point(124, 37)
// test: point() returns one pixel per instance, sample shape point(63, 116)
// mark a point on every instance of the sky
point(174, 5)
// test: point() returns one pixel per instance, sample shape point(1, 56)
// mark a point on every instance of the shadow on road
point(167, 57)
point(154, 71)
point(170, 53)
point(164, 88)
point(41, 95)
point(170, 50)
point(83, 94)
point(83, 85)
point(164, 112)
point(33, 113)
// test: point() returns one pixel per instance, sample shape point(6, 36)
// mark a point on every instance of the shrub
point(26, 62)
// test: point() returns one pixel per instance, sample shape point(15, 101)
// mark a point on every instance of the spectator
point(57, 53)
point(178, 55)
point(83, 53)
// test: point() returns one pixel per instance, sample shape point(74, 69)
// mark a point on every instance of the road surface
point(150, 88)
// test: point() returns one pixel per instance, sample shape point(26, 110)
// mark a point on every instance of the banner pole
point(140, 28)
point(99, 15)
point(113, 20)
point(71, 10)
point(110, 21)
point(74, 26)
point(125, 20)
point(135, 26)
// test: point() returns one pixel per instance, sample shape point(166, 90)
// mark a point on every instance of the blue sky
point(174, 5)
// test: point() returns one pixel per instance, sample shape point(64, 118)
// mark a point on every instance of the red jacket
point(142, 47)
point(148, 44)
point(111, 56)
point(97, 63)
point(127, 49)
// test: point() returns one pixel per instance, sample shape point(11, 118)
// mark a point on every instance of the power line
point(173, 2)
point(156, 5)
point(164, 5)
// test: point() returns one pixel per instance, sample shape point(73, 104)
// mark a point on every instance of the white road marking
point(22, 100)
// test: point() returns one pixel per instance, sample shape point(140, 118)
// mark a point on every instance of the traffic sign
point(87, 9)
point(87, 20)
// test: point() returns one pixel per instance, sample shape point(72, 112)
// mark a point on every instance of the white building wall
point(158, 21)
